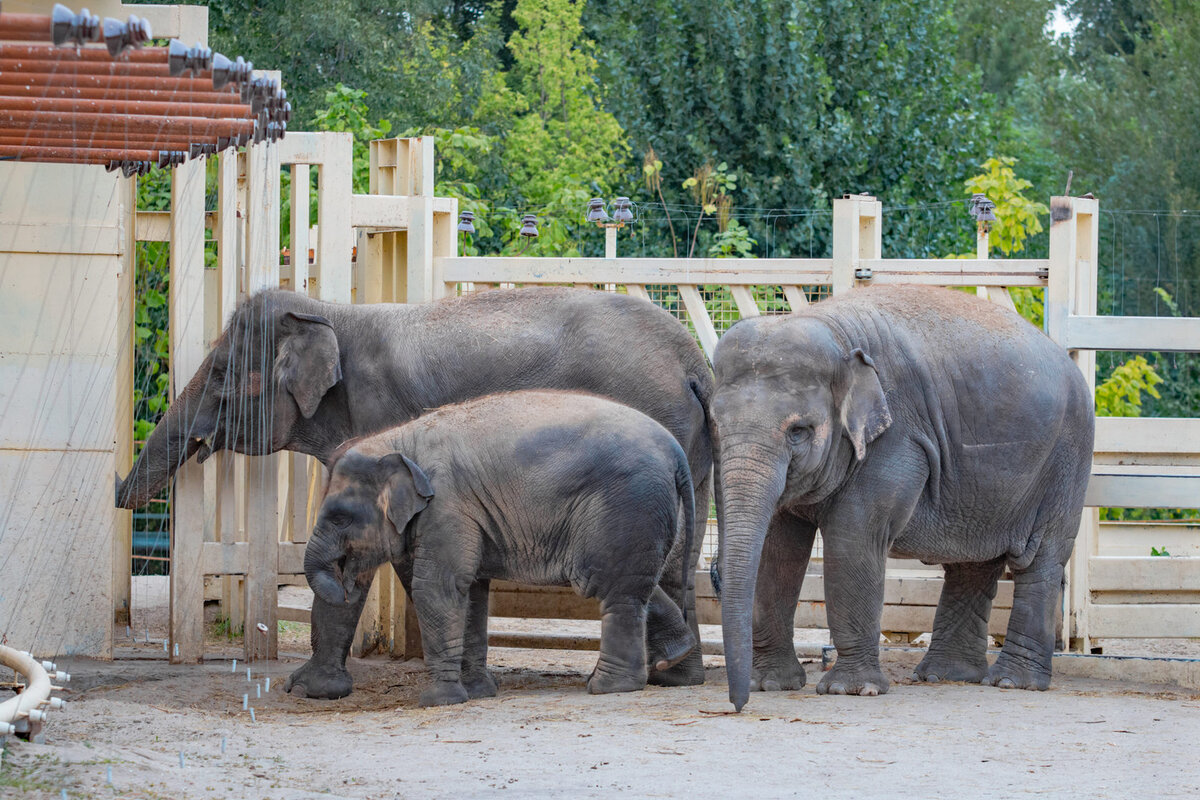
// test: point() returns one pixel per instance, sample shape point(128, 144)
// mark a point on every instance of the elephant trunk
point(321, 557)
point(751, 489)
point(181, 433)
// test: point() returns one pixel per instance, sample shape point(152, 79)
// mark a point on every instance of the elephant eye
point(339, 519)
point(799, 433)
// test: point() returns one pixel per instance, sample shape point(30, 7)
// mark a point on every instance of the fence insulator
point(226, 72)
point(194, 60)
point(121, 36)
point(67, 27)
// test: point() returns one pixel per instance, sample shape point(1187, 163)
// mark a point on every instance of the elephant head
point(362, 521)
point(795, 408)
point(272, 366)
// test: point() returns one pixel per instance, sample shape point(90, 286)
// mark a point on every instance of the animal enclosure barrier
point(252, 532)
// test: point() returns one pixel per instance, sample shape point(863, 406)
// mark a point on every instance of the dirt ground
point(180, 732)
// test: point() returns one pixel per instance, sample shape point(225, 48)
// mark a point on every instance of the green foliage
point(1016, 215)
point(1159, 551)
point(733, 242)
point(345, 110)
point(1120, 395)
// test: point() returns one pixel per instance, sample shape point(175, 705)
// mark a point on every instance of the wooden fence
point(245, 522)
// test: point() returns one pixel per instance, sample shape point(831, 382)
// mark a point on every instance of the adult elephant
point(906, 421)
point(292, 373)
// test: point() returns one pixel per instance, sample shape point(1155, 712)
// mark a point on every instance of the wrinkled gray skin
point(552, 488)
point(916, 422)
point(292, 373)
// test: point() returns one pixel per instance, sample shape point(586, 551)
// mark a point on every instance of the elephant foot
point(609, 683)
point(777, 674)
point(862, 681)
point(479, 684)
point(688, 672)
point(319, 681)
point(443, 693)
point(937, 667)
point(1009, 673)
point(664, 655)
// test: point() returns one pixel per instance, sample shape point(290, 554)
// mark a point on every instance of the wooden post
point(187, 352)
point(262, 478)
point(335, 240)
point(610, 241)
point(123, 455)
point(420, 283)
point(857, 234)
point(1071, 290)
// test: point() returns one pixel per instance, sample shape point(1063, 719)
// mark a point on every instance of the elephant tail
point(683, 487)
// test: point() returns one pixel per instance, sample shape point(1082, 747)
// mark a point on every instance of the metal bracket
point(863, 274)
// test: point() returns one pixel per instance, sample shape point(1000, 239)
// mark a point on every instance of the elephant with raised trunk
point(905, 421)
point(292, 373)
point(551, 488)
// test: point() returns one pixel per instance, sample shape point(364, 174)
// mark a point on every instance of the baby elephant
point(541, 487)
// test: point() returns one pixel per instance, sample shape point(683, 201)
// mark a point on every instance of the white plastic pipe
point(37, 686)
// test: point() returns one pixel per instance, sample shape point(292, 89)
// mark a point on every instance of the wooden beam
point(743, 298)
point(1147, 487)
point(698, 314)
point(1164, 334)
point(1158, 621)
point(796, 297)
point(641, 271)
point(1146, 573)
point(1160, 436)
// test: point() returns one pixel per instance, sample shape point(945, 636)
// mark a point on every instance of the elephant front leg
point(442, 613)
point(476, 678)
point(324, 675)
point(958, 648)
point(786, 551)
point(622, 663)
point(669, 640)
point(854, 577)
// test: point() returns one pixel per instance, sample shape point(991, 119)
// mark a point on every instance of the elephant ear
point(862, 405)
point(407, 490)
point(309, 363)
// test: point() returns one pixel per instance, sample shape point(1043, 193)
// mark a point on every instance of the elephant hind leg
point(668, 638)
point(622, 663)
point(958, 649)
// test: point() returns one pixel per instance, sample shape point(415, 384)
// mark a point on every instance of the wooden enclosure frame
point(406, 242)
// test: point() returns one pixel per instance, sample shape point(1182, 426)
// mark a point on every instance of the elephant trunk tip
point(739, 698)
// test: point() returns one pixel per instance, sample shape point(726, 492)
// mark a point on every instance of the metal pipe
point(75, 67)
point(46, 52)
point(59, 138)
point(37, 686)
point(117, 92)
point(25, 27)
point(85, 155)
point(55, 105)
point(136, 83)
point(126, 124)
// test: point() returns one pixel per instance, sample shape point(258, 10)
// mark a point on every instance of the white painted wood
point(1137, 538)
point(380, 211)
point(1160, 436)
point(1146, 573)
point(298, 233)
point(641, 271)
point(57, 238)
point(796, 297)
point(335, 241)
point(52, 402)
point(698, 314)
point(633, 290)
point(1158, 621)
point(188, 510)
point(1148, 487)
point(1164, 334)
point(743, 298)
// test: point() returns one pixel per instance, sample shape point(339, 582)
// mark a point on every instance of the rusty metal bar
point(117, 92)
point(89, 155)
point(126, 123)
point(135, 83)
point(75, 67)
point(25, 27)
point(62, 138)
point(54, 105)
point(83, 55)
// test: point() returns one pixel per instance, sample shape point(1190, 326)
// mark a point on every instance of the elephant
point(909, 421)
point(551, 488)
point(293, 373)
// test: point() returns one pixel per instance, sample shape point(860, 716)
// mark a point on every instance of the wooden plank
point(298, 233)
point(380, 211)
point(1153, 489)
point(124, 386)
point(698, 314)
point(1159, 621)
point(335, 240)
point(51, 238)
point(1137, 538)
point(796, 297)
point(1175, 435)
point(1164, 334)
point(639, 271)
point(226, 558)
point(186, 323)
point(633, 290)
point(1147, 573)
point(743, 298)
point(153, 226)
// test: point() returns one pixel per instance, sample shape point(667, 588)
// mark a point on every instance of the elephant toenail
point(1006, 683)
point(837, 688)
point(869, 690)
point(771, 686)
point(933, 677)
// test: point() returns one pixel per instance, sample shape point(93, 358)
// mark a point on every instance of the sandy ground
point(544, 736)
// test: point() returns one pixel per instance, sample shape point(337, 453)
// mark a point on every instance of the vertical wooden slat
point(298, 234)
point(744, 299)
point(187, 352)
point(698, 314)
point(633, 290)
point(262, 478)
point(123, 454)
point(335, 241)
